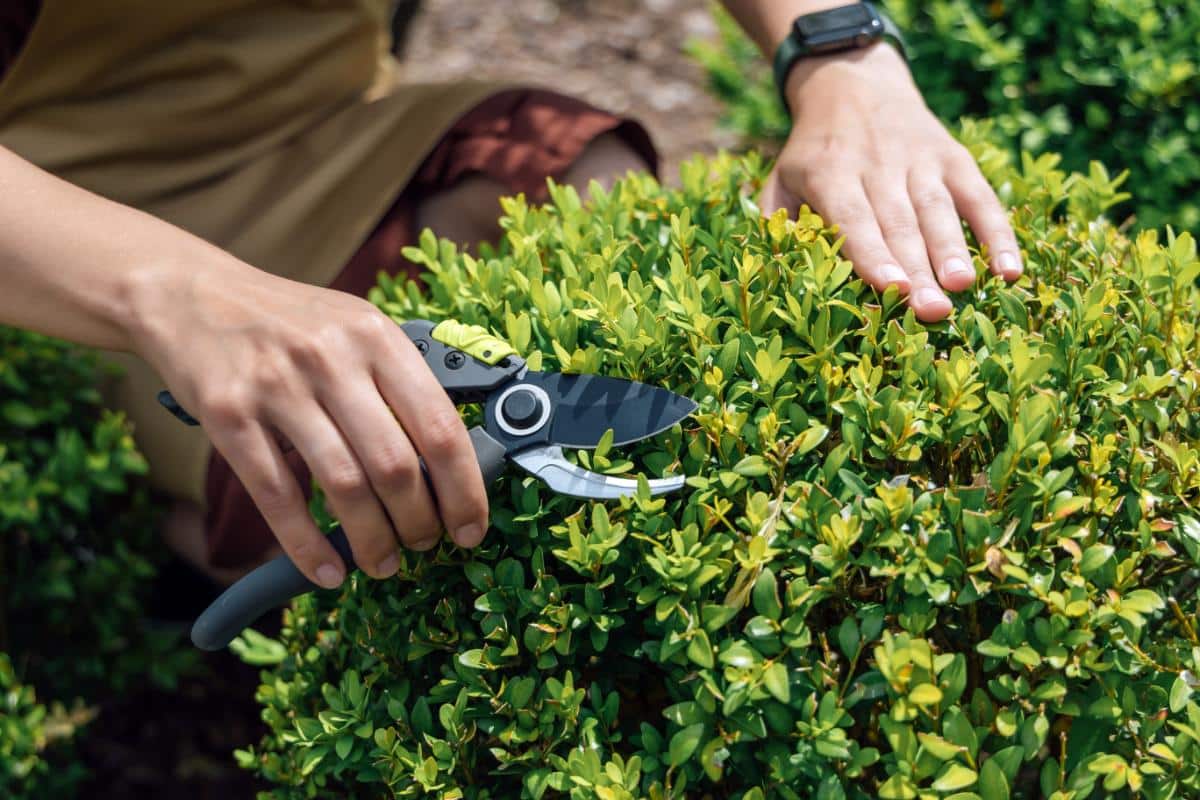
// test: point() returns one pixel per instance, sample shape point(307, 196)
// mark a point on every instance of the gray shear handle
point(278, 581)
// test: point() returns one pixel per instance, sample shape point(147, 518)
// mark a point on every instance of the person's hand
point(257, 358)
point(867, 154)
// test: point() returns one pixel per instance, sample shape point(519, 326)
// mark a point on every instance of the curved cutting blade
point(549, 465)
point(588, 405)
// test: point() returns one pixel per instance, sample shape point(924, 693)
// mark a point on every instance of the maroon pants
point(518, 138)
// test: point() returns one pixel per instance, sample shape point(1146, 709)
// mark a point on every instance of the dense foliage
point(28, 730)
point(939, 561)
point(76, 544)
point(1113, 80)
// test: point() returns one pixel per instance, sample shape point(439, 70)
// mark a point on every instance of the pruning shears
point(529, 417)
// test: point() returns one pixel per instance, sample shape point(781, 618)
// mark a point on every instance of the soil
point(621, 55)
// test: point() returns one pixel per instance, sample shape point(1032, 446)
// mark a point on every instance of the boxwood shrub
point(1114, 80)
point(911, 561)
point(77, 556)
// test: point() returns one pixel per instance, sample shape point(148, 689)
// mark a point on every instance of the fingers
point(389, 460)
point(977, 203)
point(258, 464)
point(888, 193)
point(347, 487)
point(775, 196)
point(845, 204)
point(433, 425)
point(945, 244)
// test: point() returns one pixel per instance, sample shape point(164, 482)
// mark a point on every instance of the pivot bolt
point(455, 360)
point(521, 409)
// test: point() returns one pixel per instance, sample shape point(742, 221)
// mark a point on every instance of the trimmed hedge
point(77, 553)
point(940, 561)
point(1112, 80)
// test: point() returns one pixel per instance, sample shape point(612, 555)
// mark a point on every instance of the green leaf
point(926, 694)
point(1180, 693)
point(342, 746)
point(699, 650)
point(684, 743)
point(1095, 557)
point(775, 678)
point(939, 747)
point(1143, 601)
point(847, 637)
point(258, 650)
point(765, 595)
point(992, 783)
point(955, 776)
point(752, 467)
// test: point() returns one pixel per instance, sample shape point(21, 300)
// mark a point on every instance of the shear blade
point(585, 406)
point(549, 465)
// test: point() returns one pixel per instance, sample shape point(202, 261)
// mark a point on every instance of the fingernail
point(329, 576)
point(927, 297)
point(468, 535)
point(422, 545)
point(387, 568)
point(893, 274)
point(1009, 264)
point(957, 268)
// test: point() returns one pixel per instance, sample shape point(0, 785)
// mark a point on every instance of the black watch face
point(846, 20)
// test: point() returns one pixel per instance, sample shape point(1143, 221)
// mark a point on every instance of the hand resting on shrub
point(868, 155)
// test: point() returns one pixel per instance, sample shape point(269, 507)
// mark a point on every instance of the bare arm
point(71, 260)
point(253, 356)
point(868, 155)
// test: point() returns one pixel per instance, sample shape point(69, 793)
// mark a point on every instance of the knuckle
point(393, 465)
point(227, 407)
point(275, 497)
point(959, 157)
point(319, 352)
point(898, 224)
point(305, 551)
point(441, 433)
point(928, 198)
point(344, 478)
point(372, 325)
point(271, 376)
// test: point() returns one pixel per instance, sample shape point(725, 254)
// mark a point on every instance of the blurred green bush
point(1111, 80)
point(939, 561)
point(77, 553)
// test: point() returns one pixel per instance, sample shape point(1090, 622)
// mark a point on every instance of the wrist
point(819, 79)
point(166, 286)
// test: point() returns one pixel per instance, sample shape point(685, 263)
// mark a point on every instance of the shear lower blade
point(550, 466)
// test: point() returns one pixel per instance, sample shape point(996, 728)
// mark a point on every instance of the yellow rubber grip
point(473, 340)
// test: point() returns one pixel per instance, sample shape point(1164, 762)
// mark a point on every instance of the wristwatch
point(843, 28)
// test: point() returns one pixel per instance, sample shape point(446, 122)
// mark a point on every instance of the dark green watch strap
point(792, 50)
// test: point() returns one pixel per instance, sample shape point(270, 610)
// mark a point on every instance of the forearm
point(767, 21)
point(75, 265)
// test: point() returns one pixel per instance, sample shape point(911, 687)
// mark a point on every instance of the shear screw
point(455, 360)
point(422, 346)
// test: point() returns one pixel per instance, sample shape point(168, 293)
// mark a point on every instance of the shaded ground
point(154, 743)
point(619, 54)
